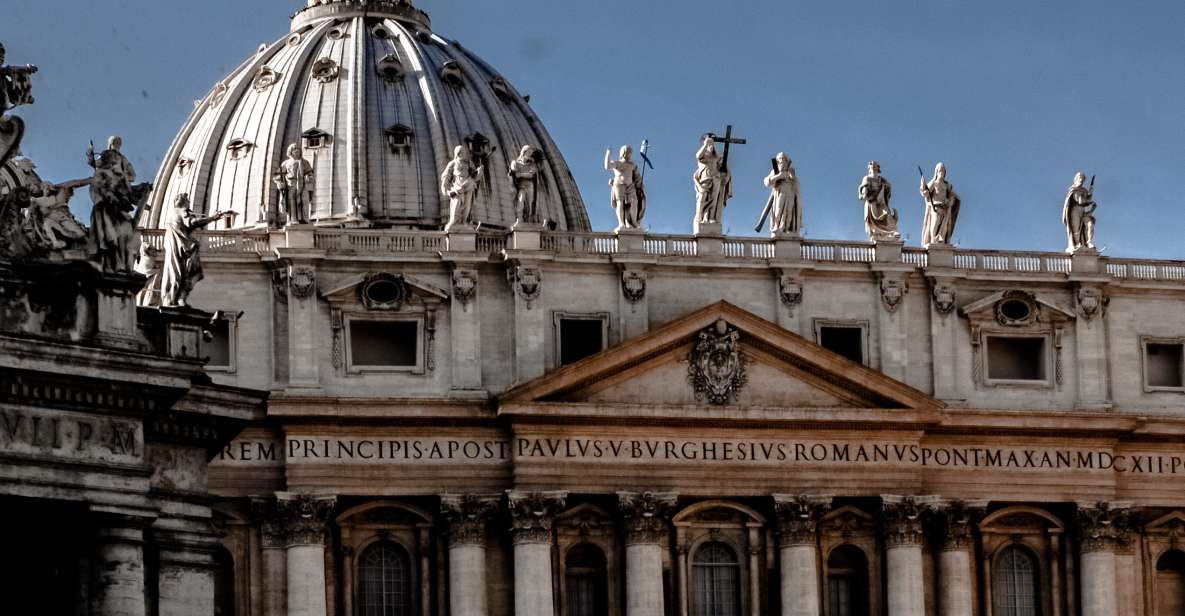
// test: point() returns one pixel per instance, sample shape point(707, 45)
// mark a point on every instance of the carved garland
point(716, 366)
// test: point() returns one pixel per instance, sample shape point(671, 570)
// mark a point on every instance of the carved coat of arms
point(716, 367)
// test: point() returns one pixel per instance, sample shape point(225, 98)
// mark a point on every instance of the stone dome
point(378, 102)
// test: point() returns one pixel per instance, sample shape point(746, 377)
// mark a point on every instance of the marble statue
point(459, 183)
point(942, 208)
point(50, 221)
point(1078, 214)
point(15, 90)
point(182, 267)
point(627, 192)
point(785, 199)
point(117, 204)
point(880, 219)
point(294, 182)
point(524, 174)
point(713, 184)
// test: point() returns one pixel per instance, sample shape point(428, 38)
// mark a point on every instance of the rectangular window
point(384, 345)
point(1164, 365)
point(220, 348)
point(1016, 358)
point(842, 339)
point(580, 337)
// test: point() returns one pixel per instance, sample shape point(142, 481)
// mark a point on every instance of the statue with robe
point(942, 208)
point(784, 206)
point(294, 182)
point(117, 204)
point(16, 88)
point(880, 219)
point(713, 184)
point(459, 183)
point(182, 268)
point(524, 174)
point(627, 194)
point(50, 221)
point(1078, 214)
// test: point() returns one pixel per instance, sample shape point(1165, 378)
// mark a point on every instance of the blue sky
point(1013, 96)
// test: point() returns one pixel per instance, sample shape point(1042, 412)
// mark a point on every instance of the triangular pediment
point(669, 366)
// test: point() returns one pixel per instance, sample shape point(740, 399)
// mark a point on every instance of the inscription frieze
point(73, 436)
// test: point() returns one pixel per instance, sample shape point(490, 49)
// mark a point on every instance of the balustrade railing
point(581, 243)
point(840, 252)
point(1146, 270)
point(670, 245)
point(1022, 262)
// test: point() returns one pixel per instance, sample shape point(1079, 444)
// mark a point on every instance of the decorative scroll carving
point(265, 78)
point(1017, 309)
point(716, 366)
point(957, 521)
point(527, 282)
point(798, 519)
point(325, 70)
point(337, 323)
point(945, 298)
point(1104, 527)
point(633, 285)
point(383, 291)
point(902, 517)
point(892, 292)
point(1092, 303)
point(464, 286)
point(644, 516)
point(533, 514)
point(467, 516)
point(305, 516)
point(302, 280)
point(790, 291)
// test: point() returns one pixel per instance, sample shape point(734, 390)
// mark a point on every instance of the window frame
point(559, 316)
point(1161, 340)
point(409, 576)
point(421, 343)
point(697, 568)
point(232, 343)
point(862, 325)
point(1035, 573)
point(1048, 360)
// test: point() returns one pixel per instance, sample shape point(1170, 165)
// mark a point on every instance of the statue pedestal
point(461, 239)
point(709, 238)
point(888, 251)
point(787, 246)
point(940, 255)
point(1084, 261)
point(631, 240)
point(299, 236)
point(526, 237)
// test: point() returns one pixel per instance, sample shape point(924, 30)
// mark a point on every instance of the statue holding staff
point(182, 269)
point(942, 208)
point(713, 183)
point(785, 199)
point(1078, 214)
point(627, 194)
point(117, 206)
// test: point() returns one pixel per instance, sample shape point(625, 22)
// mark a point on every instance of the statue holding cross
point(713, 179)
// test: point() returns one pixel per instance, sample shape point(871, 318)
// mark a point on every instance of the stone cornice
point(532, 514)
point(644, 515)
point(305, 516)
point(798, 518)
point(1104, 527)
point(467, 516)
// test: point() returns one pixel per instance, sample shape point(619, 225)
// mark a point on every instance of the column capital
point(272, 531)
point(1104, 526)
point(644, 515)
point(467, 515)
point(957, 520)
point(532, 514)
point(305, 516)
point(798, 517)
point(902, 518)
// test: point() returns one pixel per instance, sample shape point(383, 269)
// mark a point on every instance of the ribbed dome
point(378, 101)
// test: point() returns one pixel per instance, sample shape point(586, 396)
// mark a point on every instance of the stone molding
point(798, 518)
point(304, 516)
point(532, 514)
point(1104, 527)
point(467, 516)
point(644, 515)
point(902, 519)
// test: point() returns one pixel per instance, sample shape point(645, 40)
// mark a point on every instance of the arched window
point(716, 574)
point(224, 583)
point(847, 582)
point(1014, 583)
point(586, 581)
point(384, 575)
point(1170, 583)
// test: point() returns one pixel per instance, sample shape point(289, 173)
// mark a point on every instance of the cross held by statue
point(728, 140)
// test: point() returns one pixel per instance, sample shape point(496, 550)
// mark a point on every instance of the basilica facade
point(480, 406)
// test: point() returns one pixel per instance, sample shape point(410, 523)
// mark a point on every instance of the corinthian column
point(798, 543)
point(467, 516)
point(955, 574)
point(644, 520)
point(1102, 529)
point(306, 516)
point(903, 543)
point(532, 517)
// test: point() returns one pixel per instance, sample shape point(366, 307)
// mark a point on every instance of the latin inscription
point(424, 451)
point(69, 435)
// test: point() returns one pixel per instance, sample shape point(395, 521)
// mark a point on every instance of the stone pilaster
point(465, 326)
point(532, 520)
point(467, 517)
point(798, 545)
point(644, 521)
point(1103, 528)
point(956, 575)
point(306, 517)
point(118, 587)
point(904, 536)
point(273, 536)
